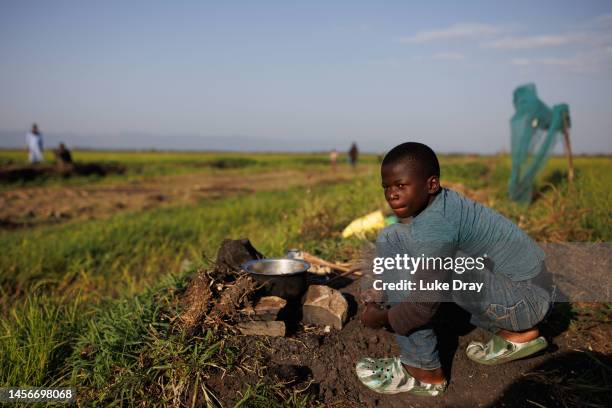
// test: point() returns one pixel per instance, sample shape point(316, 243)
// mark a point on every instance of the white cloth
point(35, 147)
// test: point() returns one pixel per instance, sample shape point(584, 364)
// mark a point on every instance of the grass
point(129, 352)
point(580, 212)
point(262, 395)
point(130, 248)
point(92, 302)
point(110, 261)
point(37, 337)
point(147, 164)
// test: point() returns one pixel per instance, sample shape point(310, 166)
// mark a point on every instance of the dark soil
point(323, 364)
point(21, 174)
point(575, 370)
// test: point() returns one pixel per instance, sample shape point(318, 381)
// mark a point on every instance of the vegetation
point(147, 164)
point(91, 302)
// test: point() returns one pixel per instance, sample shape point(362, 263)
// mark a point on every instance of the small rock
point(262, 328)
point(324, 306)
point(267, 308)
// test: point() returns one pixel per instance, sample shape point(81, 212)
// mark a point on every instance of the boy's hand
point(371, 296)
point(374, 317)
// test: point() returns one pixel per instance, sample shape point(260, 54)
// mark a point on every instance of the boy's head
point(411, 178)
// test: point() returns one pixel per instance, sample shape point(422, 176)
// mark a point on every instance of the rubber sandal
point(499, 350)
point(388, 376)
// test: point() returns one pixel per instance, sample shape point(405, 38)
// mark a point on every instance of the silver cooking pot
point(281, 277)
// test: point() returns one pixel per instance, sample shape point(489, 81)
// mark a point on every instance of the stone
point(262, 328)
point(267, 308)
point(234, 252)
point(324, 306)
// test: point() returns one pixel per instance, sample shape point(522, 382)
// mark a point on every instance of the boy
point(443, 224)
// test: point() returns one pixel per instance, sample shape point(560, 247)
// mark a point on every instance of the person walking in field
point(63, 158)
point(34, 141)
point(333, 159)
point(62, 155)
point(504, 287)
point(353, 154)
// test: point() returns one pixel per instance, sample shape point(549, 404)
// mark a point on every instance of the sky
point(300, 75)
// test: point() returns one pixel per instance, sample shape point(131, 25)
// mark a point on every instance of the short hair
point(416, 154)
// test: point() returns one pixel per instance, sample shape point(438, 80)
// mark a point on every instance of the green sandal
point(388, 376)
point(499, 350)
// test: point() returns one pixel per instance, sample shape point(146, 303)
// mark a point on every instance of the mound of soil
point(326, 363)
point(573, 370)
point(214, 297)
point(17, 173)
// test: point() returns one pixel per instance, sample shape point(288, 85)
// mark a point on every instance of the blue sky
point(300, 75)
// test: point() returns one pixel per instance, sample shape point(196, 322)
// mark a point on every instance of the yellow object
point(370, 222)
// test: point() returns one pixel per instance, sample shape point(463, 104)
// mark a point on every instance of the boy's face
point(407, 192)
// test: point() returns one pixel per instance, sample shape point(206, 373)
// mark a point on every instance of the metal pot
point(280, 277)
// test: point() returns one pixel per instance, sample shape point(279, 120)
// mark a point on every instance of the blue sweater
point(453, 224)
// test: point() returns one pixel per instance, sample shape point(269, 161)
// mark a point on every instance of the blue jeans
point(501, 304)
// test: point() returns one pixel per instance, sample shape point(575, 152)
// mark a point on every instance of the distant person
point(34, 140)
point(63, 158)
point(333, 158)
point(353, 154)
point(62, 154)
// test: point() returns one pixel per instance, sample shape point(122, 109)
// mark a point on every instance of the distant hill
point(143, 141)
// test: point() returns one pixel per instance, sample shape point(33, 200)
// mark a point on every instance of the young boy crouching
point(420, 257)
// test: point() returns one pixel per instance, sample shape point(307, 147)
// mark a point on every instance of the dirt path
point(33, 206)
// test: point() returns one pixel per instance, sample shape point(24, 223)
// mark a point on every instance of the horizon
point(15, 140)
point(291, 152)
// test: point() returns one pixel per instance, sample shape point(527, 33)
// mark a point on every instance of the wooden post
point(568, 150)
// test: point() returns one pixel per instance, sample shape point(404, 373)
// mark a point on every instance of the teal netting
point(535, 129)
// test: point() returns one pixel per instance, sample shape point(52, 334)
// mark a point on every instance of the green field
point(146, 164)
point(111, 282)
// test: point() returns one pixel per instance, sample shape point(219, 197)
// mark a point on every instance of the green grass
point(90, 302)
point(131, 355)
point(262, 395)
point(109, 261)
point(36, 337)
point(580, 212)
point(134, 247)
point(147, 164)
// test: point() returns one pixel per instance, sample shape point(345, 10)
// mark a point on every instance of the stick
point(568, 150)
point(347, 273)
point(316, 260)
